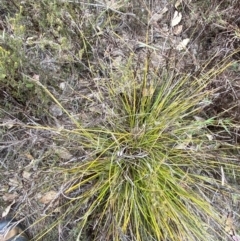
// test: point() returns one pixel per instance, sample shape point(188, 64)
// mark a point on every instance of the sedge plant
point(153, 168)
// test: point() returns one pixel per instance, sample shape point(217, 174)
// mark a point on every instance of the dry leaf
point(177, 17)
point(177, 29)
point(48, 197)
point(63, 153)
point(26, 175)
point(10, 197)
point(7, 209)
point(183, 44)
point(28, 156)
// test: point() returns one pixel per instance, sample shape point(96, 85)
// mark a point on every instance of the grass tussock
point(153, 168)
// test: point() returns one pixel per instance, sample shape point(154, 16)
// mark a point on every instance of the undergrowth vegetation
point(134, 149)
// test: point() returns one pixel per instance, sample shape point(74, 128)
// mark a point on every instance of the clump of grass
point(150, 172)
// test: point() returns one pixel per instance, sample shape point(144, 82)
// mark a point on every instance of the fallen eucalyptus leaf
point(48, 197)
point(26, 175)
point(10, 197)
point(183, 44)
point(177, 17)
